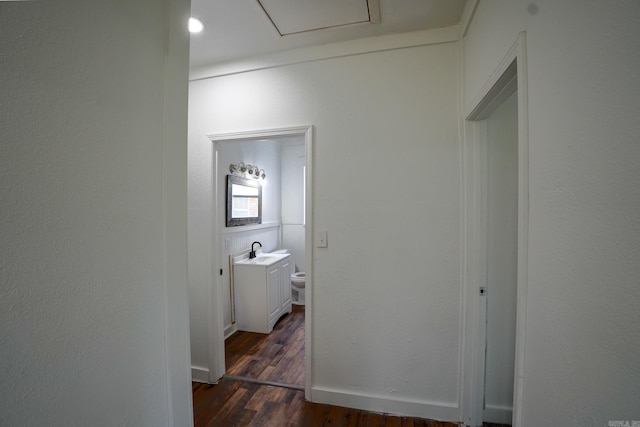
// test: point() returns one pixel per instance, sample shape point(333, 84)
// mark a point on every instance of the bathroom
point(283, 213)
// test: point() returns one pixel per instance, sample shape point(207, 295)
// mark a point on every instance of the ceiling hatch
point(300, 16)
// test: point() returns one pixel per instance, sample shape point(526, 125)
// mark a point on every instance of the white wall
point(581, 363)
point(293, 228)
point(386, 292)
point(93, 309)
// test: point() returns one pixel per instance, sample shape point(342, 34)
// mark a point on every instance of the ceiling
point(239, 29)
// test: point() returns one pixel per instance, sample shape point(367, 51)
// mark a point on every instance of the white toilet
point(297, 288)
point(297, 282)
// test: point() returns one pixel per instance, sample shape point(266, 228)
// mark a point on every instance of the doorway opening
point(502, 249)
point(496, 151)
point(237, 350)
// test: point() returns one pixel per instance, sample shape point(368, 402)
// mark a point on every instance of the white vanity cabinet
point(262, 288)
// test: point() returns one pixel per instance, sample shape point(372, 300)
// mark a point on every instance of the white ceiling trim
point(334, 50)
point(467, 14)
point(374, 11)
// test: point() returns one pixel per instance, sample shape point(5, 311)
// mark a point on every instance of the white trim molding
point(498, 414)
point(467, 15)
point(327, 51)
point(175, 315)
point(440, 411)
point(501, 84)
point(523, 228)
point(200, 375)
point(509, 76)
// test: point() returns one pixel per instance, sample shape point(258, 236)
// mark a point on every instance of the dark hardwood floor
point(279, 358)
point(238, 403)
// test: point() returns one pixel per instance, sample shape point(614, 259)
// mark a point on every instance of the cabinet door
point(285, 285)
point(273, 291)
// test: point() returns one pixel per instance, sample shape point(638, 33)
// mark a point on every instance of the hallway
point(264, 386)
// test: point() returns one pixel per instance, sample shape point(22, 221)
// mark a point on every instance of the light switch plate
point(321, 239)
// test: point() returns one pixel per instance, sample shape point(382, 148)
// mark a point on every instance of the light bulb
point(195, 25)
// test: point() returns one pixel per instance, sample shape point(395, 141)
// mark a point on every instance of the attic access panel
point(299, 16)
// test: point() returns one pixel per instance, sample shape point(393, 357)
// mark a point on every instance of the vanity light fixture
point(240, 167)
point(253, 171)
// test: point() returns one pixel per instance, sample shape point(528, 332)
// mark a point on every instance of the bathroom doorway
point(285, 155)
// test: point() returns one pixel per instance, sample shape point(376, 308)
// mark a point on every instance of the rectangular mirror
point(244, 201)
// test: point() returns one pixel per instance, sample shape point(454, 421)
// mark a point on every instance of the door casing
point(215, 318)
point(509, 76)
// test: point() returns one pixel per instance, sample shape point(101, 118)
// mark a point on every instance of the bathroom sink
point(263, 259)
point(266, 259)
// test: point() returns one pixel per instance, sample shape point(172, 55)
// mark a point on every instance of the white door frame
point(510, 75)
point(215, 318)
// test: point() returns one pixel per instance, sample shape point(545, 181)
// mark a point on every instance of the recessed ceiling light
point(195, 25)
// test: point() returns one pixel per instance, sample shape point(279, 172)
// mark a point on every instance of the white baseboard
point(199, 375)
point(497, 414)
point(230, 330)
point(383, 404)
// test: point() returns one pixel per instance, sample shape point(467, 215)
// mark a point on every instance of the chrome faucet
point(252, 254)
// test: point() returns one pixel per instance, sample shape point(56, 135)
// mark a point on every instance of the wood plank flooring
point(277, 357)
point(236, 403)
